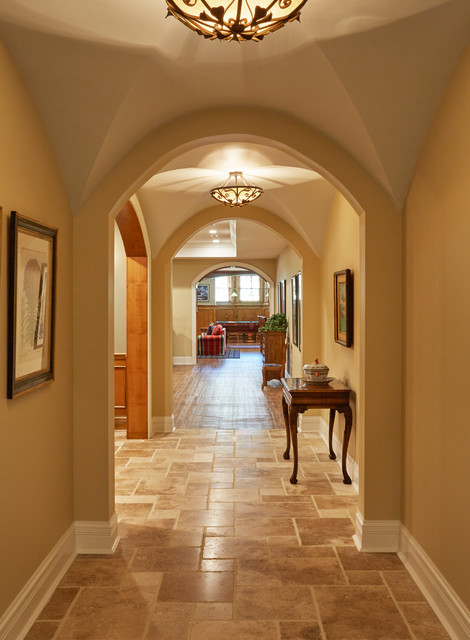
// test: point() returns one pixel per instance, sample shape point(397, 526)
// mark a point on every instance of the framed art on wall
point(295, 309)
point(343, 296)
point(202, 293)
point(31, 304)
point(281, 296)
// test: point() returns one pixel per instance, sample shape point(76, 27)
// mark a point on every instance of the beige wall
point(36, 428)
point(341, 250)
point(437, 373)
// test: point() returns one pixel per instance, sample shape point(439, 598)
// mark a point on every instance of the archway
point(214, 267)
point(381, 244)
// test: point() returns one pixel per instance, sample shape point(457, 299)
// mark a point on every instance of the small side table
point(298, 396)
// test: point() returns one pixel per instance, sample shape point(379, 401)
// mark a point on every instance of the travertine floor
point(217, 545)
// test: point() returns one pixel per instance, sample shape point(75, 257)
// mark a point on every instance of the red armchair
point(212, 345)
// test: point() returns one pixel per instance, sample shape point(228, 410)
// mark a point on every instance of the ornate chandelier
point(235, 192)
point(235, 19)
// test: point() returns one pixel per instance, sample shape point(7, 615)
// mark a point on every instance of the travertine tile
point(237, 630)
point(107, 613)
point(356, 613)
point(200, 586)
point(403, 587)
point(44, 630)
point(423, 621)
point(59, 603)
point(274, 603)
point(216, 544)
point(304, 630)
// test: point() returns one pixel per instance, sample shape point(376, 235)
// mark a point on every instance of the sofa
point(213, 342)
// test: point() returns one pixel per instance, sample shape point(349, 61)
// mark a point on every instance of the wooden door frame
point(137, 322)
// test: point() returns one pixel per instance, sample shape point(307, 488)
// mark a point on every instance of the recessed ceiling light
point(215, 240)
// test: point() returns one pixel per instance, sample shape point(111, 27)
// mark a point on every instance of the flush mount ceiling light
point(236, 192)
point(238, 20)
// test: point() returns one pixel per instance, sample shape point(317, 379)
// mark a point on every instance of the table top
point(300, 386)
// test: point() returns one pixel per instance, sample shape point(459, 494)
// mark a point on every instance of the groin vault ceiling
point(105, 74)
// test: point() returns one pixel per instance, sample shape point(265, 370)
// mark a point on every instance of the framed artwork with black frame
point(203, 293)
point(299, 309)
point(281, 296)
point(295, 310)
point(343, 312)
point(31, 304)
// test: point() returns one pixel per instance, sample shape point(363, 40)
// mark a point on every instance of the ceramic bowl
point(316, 372)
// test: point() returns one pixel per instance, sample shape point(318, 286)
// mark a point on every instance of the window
point(249, 288)
point(221, 289)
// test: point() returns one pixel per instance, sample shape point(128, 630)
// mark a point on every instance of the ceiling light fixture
point(235, 192)
point(238, 20)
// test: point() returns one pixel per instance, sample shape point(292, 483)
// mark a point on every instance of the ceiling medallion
point(238, 20)
point(235, 192)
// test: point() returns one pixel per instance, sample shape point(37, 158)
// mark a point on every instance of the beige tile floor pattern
point(217, 545)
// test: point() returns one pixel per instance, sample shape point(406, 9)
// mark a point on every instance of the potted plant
point(276, 322)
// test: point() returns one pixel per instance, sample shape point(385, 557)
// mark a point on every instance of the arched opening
point(381, 302)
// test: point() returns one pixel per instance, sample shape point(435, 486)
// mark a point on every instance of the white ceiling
point(106, 73)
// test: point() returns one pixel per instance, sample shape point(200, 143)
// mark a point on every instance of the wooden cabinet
point(273, 347)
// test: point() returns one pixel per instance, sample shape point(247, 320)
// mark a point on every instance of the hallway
point(215, 542)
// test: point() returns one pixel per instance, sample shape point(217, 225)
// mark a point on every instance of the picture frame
point(203, 293)
point(343, 307)
point(295, 310)
point(281, 296)
point(32, 273)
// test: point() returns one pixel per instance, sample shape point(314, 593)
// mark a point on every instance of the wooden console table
point(298, 396)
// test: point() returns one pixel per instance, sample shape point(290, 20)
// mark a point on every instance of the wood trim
point(131, 232)
point(137, 348)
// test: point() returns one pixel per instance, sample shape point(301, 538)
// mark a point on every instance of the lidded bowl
point(316, 372)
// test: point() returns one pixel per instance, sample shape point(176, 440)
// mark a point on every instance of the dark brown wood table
point(298, 396)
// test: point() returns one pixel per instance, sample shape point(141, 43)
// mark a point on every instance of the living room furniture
point(212, 345)
point(273, 348)
point(298, 396)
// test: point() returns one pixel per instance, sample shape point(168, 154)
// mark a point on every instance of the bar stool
point(272, 372)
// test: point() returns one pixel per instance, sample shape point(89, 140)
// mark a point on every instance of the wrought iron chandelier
point(238, 20)
point(235, 192)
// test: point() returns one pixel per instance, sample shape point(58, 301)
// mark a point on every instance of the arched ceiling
point(105, 74)
point(294, 192)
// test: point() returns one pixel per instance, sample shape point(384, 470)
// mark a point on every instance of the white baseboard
point(162, 424)
point(446, 604)
point(316, 424)
point(97, 537)
point(23, 611)
point(377, 536)
point(184, 360)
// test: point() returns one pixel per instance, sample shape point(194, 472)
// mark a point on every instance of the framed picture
point(281, 296)
point(202, 293)
point(299, 309)
point(31, 305)
point(295, 309)
point(343, 294)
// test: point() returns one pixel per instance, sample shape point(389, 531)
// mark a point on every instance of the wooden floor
point(225, 394)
